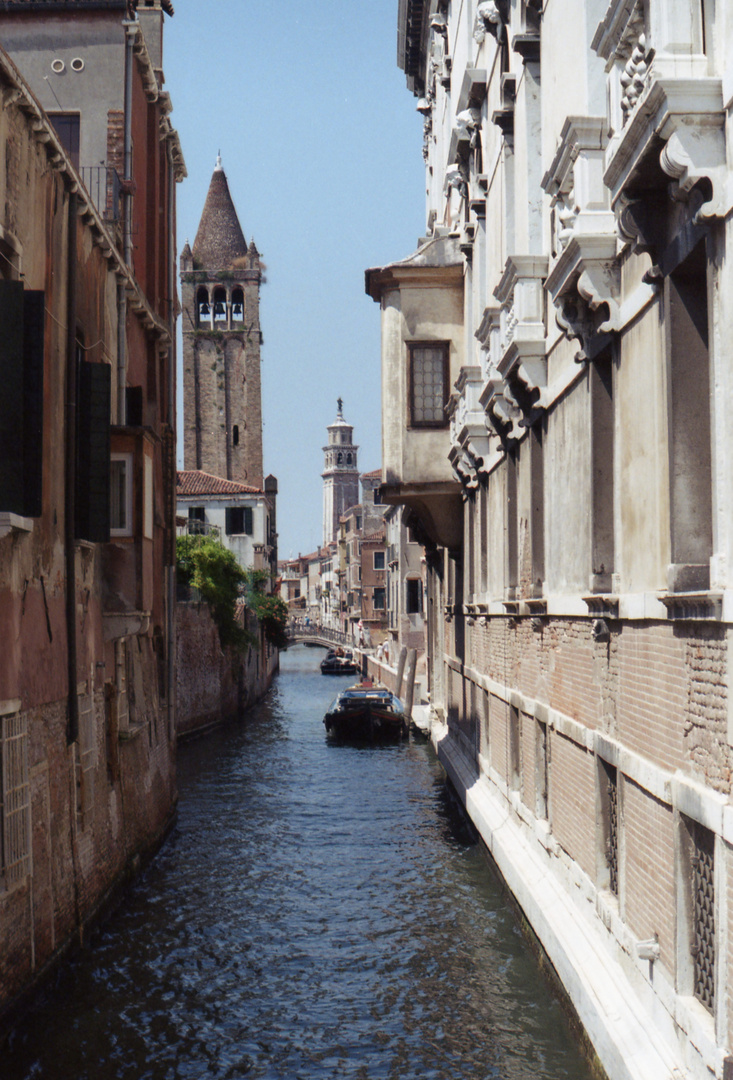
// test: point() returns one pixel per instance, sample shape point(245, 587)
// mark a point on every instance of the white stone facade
point(574, 499)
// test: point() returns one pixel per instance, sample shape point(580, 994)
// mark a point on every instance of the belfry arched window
point(237, 307)
point(220, 306)
point(348, 459)
point(203, 308)
point(340, 459)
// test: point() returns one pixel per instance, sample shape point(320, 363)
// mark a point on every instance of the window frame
point(412, 347)
point(378, 555)
point(382, 592)
point(128, 460)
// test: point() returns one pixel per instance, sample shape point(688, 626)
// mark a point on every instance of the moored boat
point(339, 662)
point(366, 713)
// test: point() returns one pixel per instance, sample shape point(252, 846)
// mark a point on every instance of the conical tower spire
point(219, 240)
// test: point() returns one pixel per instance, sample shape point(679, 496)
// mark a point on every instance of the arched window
point(340, 459)
point(237, 307)
point(220, 306)
point(203, 308)
point(348, 459)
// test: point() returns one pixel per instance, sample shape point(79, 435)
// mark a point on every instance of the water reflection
point(319, 911)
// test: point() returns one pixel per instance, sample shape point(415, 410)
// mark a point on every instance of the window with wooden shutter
point(22, 320)
point(93, 452)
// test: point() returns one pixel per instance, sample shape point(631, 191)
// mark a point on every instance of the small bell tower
point(340, 474)
point(220, 296)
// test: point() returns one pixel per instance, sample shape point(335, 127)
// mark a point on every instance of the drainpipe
point(72, 731)
point(131, 30)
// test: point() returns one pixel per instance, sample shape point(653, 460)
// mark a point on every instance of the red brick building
point(87, 481)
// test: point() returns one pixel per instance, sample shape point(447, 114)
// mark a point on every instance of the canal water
point(318, 912)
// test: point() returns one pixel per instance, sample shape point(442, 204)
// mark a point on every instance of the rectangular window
point(15, 801)
point(414, 596)
point(120, 495)
point(610, 816)
point(379, 560)
point(428, 383)
point(148, 497)
point(542, 772)
point(93, 451)
point(378, 601)
point(515, 749)
point(234, 520)
point(22, 316)
point(196, 519)
point(67, 127)
point(703, 914)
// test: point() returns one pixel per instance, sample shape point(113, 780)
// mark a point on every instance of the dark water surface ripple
point(319, 911)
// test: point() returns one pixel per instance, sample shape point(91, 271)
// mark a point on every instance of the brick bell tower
point(220, 295)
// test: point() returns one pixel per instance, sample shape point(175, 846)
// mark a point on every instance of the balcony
point(104, 186)
point(421, 300)
point(667, 111)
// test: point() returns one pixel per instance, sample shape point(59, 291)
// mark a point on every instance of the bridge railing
point(297, 630)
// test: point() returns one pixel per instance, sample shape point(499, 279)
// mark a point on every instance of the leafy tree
point(205, 564)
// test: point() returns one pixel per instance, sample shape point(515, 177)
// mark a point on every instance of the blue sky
point(322, 148)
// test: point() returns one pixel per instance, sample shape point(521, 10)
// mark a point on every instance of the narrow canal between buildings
point(319, 911)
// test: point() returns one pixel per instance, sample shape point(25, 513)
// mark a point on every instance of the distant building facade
point(241, 516)
point(557, 393)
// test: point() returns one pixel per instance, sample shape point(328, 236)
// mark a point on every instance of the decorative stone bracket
point(469, 434)
point(584, 278)
point(504, 416)
point(688, 116)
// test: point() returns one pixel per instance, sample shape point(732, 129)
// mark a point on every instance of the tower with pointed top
point(340, 475)
point(220, 296)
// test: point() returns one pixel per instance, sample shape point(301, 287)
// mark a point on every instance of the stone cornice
point(520, 266)
point(578, 133)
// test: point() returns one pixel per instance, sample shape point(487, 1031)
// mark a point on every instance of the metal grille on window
point(612, 829)
point(703, 929)
point(427, 373)
point(15, 807)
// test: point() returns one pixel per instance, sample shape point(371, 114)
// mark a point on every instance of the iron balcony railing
point(103, 184)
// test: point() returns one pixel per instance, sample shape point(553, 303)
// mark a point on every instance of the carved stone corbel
point(694, 153)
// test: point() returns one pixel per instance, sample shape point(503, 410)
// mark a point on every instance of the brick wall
point(212, 685)
point(572, 800)
point(648, 868)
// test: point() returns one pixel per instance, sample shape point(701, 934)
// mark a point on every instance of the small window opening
point(235, 435)
point(220, 306)
point(237, 307)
